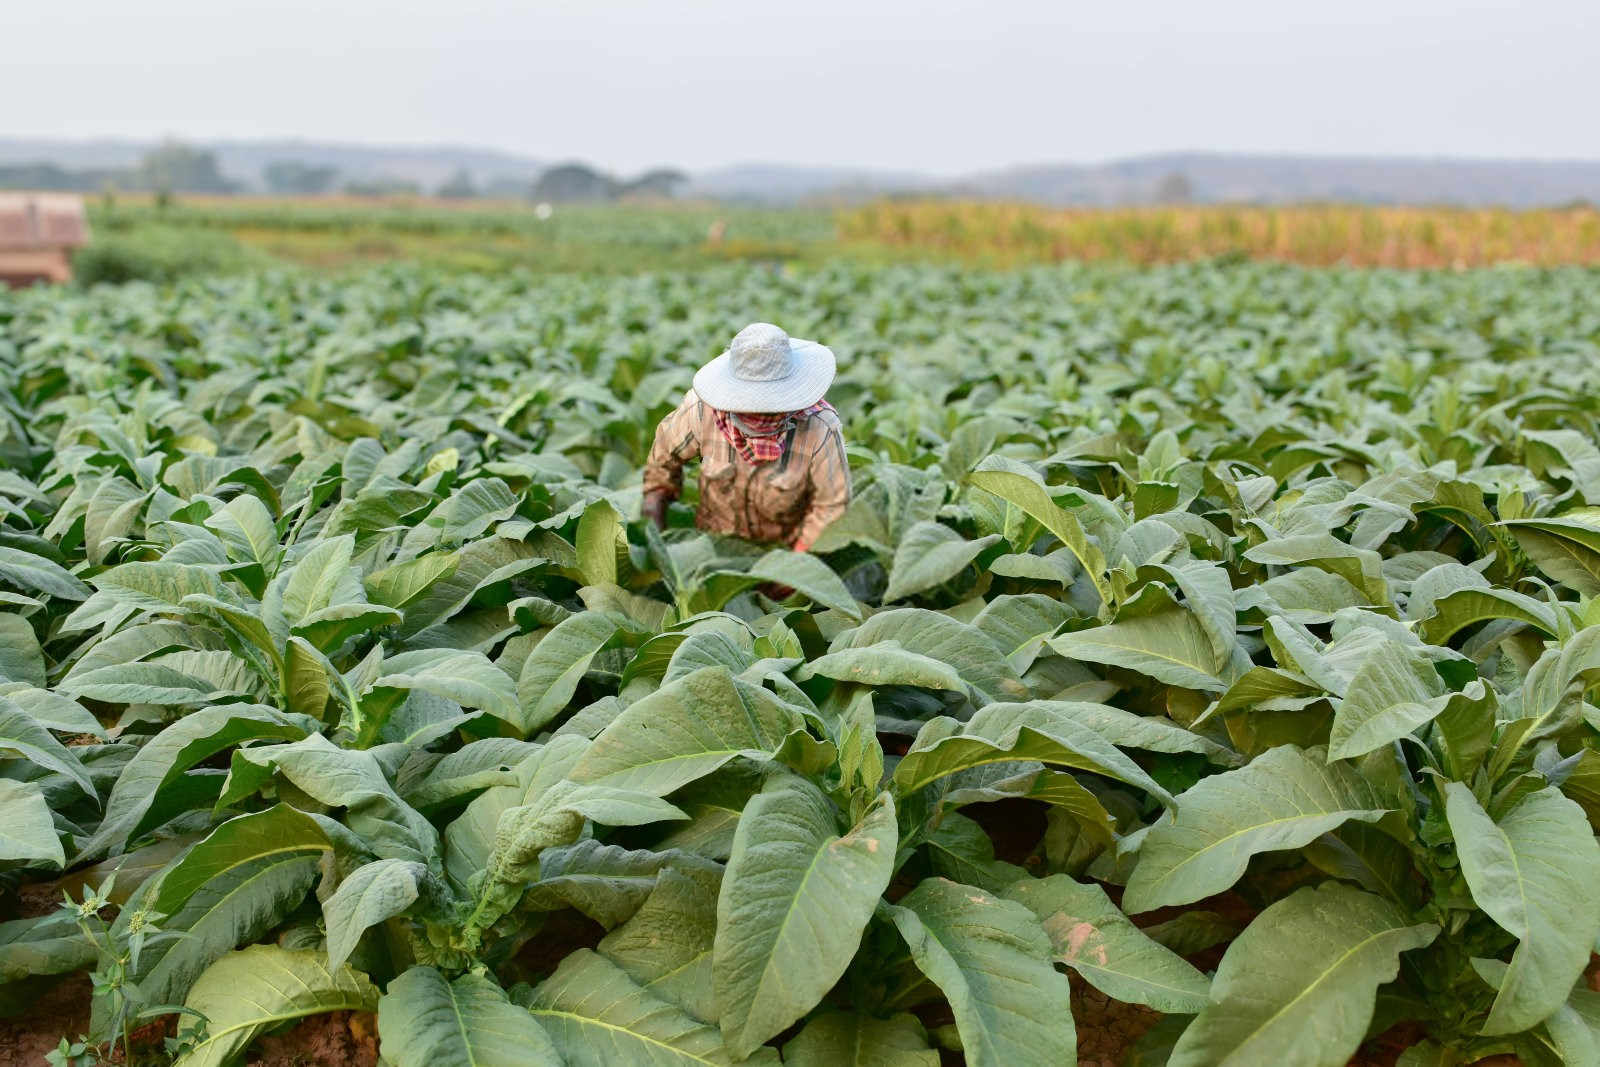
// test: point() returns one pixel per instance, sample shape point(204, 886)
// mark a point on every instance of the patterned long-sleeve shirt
point(790, 499)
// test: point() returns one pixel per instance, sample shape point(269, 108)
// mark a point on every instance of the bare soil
point(62, 1011)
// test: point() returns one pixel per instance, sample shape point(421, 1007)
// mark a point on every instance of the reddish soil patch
point(332, 1040)
point(61, 1011)
point(1107, 1028)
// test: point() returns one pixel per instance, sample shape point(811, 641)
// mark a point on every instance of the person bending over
point(771, 450)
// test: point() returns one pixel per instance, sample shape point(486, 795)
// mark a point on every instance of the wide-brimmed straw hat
point(766, 371)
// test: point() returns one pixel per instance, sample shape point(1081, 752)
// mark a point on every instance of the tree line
point(174, 167)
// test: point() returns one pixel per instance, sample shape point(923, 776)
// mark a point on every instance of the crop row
point(1222, 637)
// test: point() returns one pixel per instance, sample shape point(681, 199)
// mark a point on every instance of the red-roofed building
point(38, 232)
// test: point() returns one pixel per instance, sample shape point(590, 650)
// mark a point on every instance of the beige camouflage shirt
point(789, 500)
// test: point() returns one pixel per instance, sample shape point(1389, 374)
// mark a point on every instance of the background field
point(339, 232)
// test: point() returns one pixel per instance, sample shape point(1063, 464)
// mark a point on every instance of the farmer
point(772, 464)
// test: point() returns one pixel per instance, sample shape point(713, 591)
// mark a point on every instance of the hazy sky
point(938, 85)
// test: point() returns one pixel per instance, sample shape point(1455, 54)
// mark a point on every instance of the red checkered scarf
point(760, 438)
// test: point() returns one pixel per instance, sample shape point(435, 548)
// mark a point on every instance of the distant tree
point(180, 168)
point(505, 185)
point(459, 187)
point(291, 177)
point(663, 181)
point(52, 176)
point(383, 187)
point(37, 176)
point(1175, 188)
point(574, 181)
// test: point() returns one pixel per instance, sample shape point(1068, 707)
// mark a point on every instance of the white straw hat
point(766, 371)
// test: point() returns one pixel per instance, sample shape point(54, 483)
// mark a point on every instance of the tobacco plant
point(1222, 637)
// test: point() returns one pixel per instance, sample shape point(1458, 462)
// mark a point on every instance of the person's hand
point(654, 509)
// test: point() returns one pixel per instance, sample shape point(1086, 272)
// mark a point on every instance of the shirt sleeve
point(676, 443)
point(830, 489)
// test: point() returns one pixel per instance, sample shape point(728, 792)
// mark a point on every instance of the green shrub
point(161, 254)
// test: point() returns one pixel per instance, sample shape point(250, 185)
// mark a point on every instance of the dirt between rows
point(1107, 1031)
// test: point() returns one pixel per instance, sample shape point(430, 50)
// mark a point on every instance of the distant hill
point(1212, 177)
point(1203, 177)
point(771, 182)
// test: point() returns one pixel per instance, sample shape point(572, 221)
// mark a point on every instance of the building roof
point(42, 220)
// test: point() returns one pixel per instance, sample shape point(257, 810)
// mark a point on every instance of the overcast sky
point(944, 86)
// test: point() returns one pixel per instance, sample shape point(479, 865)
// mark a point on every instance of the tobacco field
point(1219, 637)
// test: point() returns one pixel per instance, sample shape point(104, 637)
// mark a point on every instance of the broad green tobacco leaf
point(598, 1017)
point(228, 890)
point(349, 778)
point(711, 648)
point(1283, 799)
point(1154, 733)
point(1091, 935)
point(159, 585)
point(1534, 872)
point(146, 793)
point(885, 663)
point(1297, 987)
point(161, 683)
point(686, 730)
point(1451, 597)
point(992, 960)
point(316, 581)
point(1020, 625)
point(1463, 732)
point(401, 585)
point(53, 710)
point(1360, 567)
point(551, 673)
point(470, 840)
point(845, 1039)
point(1565, 547)
point(1210, 599)
point(602, 543)
point(27, 833)
point(1394, 692)
point(1045, 731)
point(306, 682)
point(21, 735)
point(426, 1020)
point(46, 945)
point(807, 575)
point(979, 662)
point(481, 566)
point(667, 945)
point(1171, 647)
point(960, 850)
point(1549, 696)
point(794, 902)
point(32, 572)
point(247, 993)
point(371, 893)
point(21, 658)
point(467, 678)
point(1020, 485)
point(142, 641)
point(245, 527)
point(608, 883)
point(1572, 1031)
point(930, 555)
